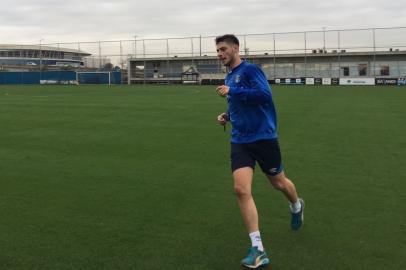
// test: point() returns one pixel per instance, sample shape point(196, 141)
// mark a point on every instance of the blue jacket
point(250, 105)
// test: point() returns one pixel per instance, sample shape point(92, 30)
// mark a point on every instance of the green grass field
point(137, 177)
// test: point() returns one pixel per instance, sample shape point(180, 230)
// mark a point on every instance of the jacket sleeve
point(258, 91)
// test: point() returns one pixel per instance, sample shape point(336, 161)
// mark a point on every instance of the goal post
point(94, 77)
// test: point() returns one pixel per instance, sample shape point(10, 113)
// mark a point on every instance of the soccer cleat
point(298, 218)
point(255, 258)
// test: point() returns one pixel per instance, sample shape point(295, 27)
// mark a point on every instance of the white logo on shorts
point(273, 170)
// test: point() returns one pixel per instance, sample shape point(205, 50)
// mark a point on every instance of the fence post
point(121, 55)
point(374, 58)
point(100, 64)
point(274, 56)
point(245, 46)
point(135, 46)
point(339, 53)
point(191, 42)
point(167, 60)
point(305, 53)
point(200, 45)
point(143, 47)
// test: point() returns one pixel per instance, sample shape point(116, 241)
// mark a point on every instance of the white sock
point(295, 207)
point(256, 240)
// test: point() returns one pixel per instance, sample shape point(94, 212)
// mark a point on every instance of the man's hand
point(222, 90)
point(222, 119)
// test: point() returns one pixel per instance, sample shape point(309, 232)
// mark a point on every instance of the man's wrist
point(231, 90)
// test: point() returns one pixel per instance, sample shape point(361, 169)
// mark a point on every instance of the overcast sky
point(28, 21)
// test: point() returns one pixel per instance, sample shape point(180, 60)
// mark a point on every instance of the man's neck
point(236, 63)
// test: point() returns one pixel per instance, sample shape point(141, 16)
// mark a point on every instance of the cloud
point(29, 21)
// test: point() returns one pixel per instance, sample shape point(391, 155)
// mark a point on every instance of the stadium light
point(324, 39)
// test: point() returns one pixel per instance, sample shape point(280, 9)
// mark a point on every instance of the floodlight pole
point(324, 39)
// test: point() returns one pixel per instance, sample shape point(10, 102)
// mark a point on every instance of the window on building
point(384, 70)
point(362, 69)
point(345, 71)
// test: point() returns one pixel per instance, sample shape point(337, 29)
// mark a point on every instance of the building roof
point(9, 47)
point(396, 53)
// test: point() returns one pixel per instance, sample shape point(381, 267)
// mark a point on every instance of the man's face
point(227, 53)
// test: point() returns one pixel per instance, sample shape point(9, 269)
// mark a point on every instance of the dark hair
point(229, 38)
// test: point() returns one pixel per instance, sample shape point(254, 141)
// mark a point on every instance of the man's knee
point(243, 181)
point(242, 191)
point(279, 182)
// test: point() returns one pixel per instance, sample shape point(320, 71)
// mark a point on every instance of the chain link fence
point(322, 53)
point(325, 40)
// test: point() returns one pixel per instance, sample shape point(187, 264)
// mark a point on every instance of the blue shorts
point(265, 152)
